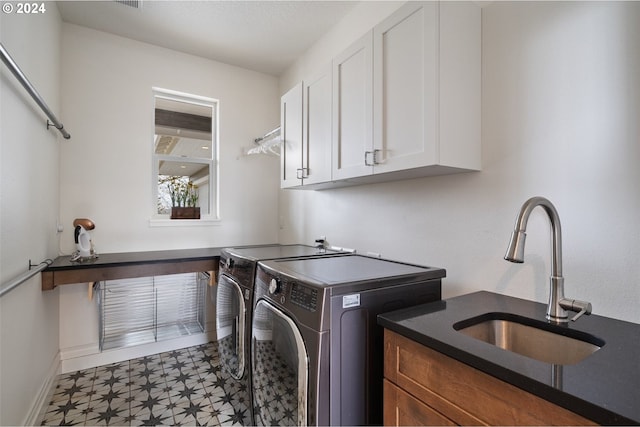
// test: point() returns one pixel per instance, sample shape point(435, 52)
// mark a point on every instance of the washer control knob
point(275, 286)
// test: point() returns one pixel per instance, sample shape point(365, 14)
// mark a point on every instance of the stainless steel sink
point(531, 338)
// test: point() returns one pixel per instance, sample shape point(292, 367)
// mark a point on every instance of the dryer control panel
point(304, 297)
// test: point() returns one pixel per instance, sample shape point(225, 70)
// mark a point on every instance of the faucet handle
point(581, 307)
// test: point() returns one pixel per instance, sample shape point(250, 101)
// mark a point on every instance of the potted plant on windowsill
point(184, 198)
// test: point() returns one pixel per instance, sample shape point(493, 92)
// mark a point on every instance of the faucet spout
point(558, 304)
point(515, 251)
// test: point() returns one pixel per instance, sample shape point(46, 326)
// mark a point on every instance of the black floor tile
point(180, 387)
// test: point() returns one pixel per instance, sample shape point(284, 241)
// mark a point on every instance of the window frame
point(213, 214)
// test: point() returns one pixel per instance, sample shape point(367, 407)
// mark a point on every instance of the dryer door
point(230, 326)
point(280, 368)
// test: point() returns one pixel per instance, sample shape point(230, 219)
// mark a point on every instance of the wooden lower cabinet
point(425, 387)
point(402, 409)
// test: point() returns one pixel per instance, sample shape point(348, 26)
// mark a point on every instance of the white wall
point(106, 168)
point(28, 213)
point(561, 98)
point(360, 19)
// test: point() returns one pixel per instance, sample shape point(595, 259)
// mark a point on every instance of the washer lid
point(274, 252)
point(350, 268)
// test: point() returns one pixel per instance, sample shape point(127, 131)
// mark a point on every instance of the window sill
point(165, 222)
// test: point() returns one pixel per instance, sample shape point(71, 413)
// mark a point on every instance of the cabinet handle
point(302, 173)
point(366, 158)
point(371, 155)
point(375, 156)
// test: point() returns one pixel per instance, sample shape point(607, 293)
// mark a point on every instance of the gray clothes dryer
point(316, 349)
point(234, 305)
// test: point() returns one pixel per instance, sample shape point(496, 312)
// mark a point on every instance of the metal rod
point(267, 135)
point(11, 64)
point(7, 287)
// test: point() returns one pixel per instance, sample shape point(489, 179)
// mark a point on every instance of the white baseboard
point(41, 402)
point(89, 356)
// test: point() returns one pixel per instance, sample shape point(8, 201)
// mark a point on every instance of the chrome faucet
point(558, 304)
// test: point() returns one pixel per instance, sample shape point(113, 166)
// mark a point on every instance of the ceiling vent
point(136, 4)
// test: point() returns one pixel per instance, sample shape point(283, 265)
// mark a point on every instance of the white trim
point(89, 356)
point(213, 162)
point(183, 96)
point(40, 404)
point(78, 351)
point(161, 222)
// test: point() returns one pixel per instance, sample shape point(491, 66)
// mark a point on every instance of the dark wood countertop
point(128, 265)
point(604, 387)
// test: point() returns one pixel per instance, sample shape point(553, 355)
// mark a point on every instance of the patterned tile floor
point(181, 387)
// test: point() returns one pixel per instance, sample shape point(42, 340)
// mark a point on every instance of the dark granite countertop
point(111, 266)
point(129, 258)
point(604, 387)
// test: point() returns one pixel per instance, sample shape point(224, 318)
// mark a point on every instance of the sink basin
point(542, 341)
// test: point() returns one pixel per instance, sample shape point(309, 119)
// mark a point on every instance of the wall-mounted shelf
point(130, 265)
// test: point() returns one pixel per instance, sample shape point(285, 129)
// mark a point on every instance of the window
point(185, 147)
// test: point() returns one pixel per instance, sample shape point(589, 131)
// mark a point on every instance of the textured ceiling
point(265, 36)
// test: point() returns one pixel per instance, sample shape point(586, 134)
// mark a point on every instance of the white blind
point(148, 309)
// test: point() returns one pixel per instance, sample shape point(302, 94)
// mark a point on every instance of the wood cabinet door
point(463, 394)
point(291, 133)
point(402, 409)
point(353, 110)
point(316, 151)
point(405, 95)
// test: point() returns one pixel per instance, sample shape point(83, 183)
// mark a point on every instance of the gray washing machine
point(316, 349)
point(234, 305)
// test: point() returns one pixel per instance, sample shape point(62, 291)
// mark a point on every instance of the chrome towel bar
point(25, 276)
point(11, 64)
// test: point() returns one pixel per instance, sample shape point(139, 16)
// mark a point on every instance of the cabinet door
point(402, 409)
point(316, 151)
point(405, 95)
point(291, 133)
point(463, 394)
point(353, 110)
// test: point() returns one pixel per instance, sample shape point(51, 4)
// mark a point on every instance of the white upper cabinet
point(306, 132)
point(353, 110)
point(316, 147)
point(460, 84)
point(291, 134)
point(405, 89)
point(426, 85)
point(406, 99)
